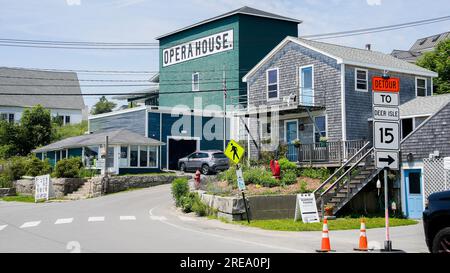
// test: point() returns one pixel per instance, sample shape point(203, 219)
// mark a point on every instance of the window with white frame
point(266, 130)
point(152, 156)
point(421, 87)
point(123, 157)
point(361, 79)
point(7, 117)
point(272, 83)
point(320, 129)
point(134, 154)
point(195, 82)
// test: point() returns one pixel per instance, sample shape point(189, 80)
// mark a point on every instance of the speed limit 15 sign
point(386, 135)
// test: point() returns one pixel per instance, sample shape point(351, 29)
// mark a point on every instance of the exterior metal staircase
point(347, 181)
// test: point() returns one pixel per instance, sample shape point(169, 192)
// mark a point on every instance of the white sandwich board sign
point(306, 205)
point(42, 187)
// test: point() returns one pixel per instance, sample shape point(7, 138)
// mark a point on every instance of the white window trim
point(426, 85)
point(314, 126)
point(285, 128)
point(262, 136)
point(356, 80)
point(267, 84)
point(300, 83)
point(198, 84)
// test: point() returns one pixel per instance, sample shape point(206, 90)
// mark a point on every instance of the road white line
point(187, 219)
point(30, 224)
point(2, 227)
point(158, 218)
point(96, 219)
point(64, 221)
point(127, 218)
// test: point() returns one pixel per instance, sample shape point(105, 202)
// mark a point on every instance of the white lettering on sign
point(385, 99)
point(205, 46)
point(386, 113)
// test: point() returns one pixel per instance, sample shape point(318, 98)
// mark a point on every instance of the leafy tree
point(35, 129)
point(438, 61)
point(103, 106)
point(9, 133)
point(70, 130)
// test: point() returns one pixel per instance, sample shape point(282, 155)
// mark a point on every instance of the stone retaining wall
point(121, 183)
point(7, 192)
point(261, 207)
point(61, 186)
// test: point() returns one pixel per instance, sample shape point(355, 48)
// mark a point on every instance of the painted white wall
point(76, 116)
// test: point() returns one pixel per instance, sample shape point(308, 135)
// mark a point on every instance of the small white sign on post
point(240, 179)
point(307, 206)
point(42, 187)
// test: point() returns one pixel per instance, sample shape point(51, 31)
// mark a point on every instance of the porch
point(324, 153)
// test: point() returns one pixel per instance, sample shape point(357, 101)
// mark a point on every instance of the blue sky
point(143, 20)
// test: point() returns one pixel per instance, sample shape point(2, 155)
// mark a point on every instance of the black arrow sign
point(389, 159)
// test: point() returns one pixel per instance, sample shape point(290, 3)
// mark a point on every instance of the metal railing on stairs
point(341, 177)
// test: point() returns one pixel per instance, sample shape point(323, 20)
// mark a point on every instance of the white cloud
point(73, 2)
point(373, 2)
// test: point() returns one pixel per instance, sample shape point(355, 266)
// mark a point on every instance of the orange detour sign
point(380, 84)
point(326, 247)
point(362, 238)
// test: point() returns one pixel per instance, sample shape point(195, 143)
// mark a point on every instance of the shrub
point(68, 168)
point(289, 177)
point(34, 166)
point(200, 208)
point(260, 176)
point(16, 167)
point(180, 188)
point(228, 175)
point(286, 165)
point(5, 181)
point(303, 187)
point(322, 173)
point(187, 201)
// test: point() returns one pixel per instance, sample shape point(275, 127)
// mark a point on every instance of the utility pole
point(224, 110)
point(388, 242)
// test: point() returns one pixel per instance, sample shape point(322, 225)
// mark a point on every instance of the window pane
point(420, 83)
point(3, 116)
point(90, 156)
point(361, 85)
point(152, 156)
point(134, 156)
point(195, 82)
point(361, 75)
point(320, 122)
point(67, 119)
point(414, 183)
point(123, 156)
point(63, 154)
point(272, 74)
point(272, 94)
point(143, 156)
point(219, 155)
point(11, 117)
point(307, 78)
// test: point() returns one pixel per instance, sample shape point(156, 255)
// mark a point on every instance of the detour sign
point(385, 85)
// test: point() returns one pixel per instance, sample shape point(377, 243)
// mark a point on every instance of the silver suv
point(206, 161)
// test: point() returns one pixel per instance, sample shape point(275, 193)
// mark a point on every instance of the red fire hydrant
point(275, 168)
point(197, 179)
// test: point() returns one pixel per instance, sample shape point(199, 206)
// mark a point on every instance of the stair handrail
point(341, 168)
point(347, 171)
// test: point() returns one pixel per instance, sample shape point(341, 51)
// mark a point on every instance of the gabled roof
point(428, 43)
point(424, 106)
point(351, 56)
point(244, 10)
point(115, 137)
point(26, 81)
point(406, 55)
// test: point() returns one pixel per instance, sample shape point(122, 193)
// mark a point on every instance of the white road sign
point(240, 179)
point(387, 159)
point(306, 204)
point(386, 113)
point(385, 99)
point(42, 187)
point(386, 135)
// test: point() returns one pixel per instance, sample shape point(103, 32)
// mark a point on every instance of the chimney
point(368, 46)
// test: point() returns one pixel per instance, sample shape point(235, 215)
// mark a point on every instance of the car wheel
point(441, 242)
point(205, 169)
point(183, 167)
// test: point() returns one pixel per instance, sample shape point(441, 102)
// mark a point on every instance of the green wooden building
point(195, 60)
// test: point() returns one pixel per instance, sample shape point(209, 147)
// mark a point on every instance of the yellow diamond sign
point(234, 151)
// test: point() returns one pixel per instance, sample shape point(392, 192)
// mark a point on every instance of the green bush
point(187, 201)
point(200, 208)
point(5, 181)
point(261, 177)
point(180, 188)
point(34, 166)
point(303, 187)
point(68, 168)
point(16, 167)
point(322, 173)
point(289, 177)
point(228, 175)
point(286, 165)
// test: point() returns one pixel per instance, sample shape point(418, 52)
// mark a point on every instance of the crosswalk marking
point(186, 219)
point(30, 224)
point(2, 227)
point(96, 219)
point(158, 218)
point(63, 221)
point(127, 218)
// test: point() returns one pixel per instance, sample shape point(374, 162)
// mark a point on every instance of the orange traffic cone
point(326, 247)
point(362, 238)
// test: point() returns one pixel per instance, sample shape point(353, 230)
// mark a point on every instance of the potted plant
point(323, 141)
point(329, 210)
point(297, 143)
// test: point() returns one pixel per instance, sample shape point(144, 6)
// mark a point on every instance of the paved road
point(146, 221)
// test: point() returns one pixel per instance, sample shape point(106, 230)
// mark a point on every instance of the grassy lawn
point(19, 198)
point(338, 224)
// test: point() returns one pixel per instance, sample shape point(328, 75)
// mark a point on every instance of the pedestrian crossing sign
point(234, 151)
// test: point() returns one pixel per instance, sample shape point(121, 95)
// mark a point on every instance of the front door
point(291, 135)
point(414, 194)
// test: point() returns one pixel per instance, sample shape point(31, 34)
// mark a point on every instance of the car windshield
point(219, 155)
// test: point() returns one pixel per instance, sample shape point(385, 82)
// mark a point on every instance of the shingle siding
point(434, 135)
point(358, 104)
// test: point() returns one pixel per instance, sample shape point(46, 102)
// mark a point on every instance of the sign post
point(386, 134)
point(234, 152)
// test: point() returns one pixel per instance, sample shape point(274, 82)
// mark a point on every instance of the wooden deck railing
point(325, 152)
